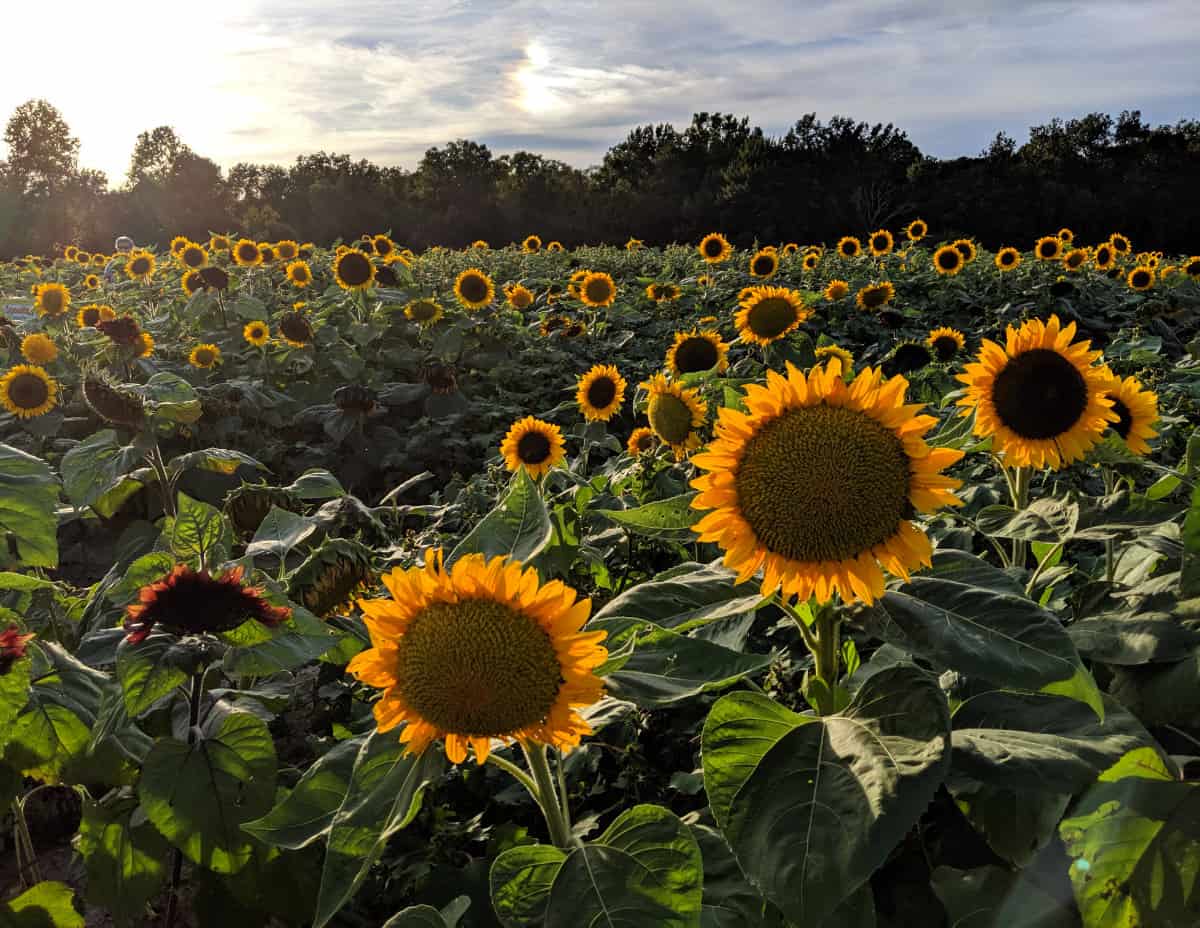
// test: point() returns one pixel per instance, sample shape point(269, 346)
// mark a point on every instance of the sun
point(537, 87)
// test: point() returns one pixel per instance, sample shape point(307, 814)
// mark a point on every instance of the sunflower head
point(1141, 278)
point(697, 351)
point(966, 248)
point(714, 248)
point(267, 250)
point(474, 289)
point(767, 314)
point(531, 244)
point(352, 270)
point(641, 441)
point(764, 263)
point(140, 265)
point(1191, 267)
point(849, 247)
point(856, 469)
point(12, 647)
point(1066, 235)
point(93, 314)
point(534, 445)
point(946, 342)
point(634, 244)
point(250, 503)
point(70, 252)
point(191, 282)
point(948, 260)
point(875, 296)
point(880, 242)
point(27, 391)
point(519, 297)
point(810, 261)
point(219, 243)
point(51, 300)
point(836, 290)
point(178, 243)
point(424, 312)
point(331, 578)
point(1040, 397)
point(1075, 259)
point(676, 414)
point(114, 404)
point(123, 330)
point(215, 277)
point(189, 602)
point(91, 282)
point(907, 358)
point(287, 250)
point(256, 333)
point(916, 230)
point(295, 328)
point(1136, 409)
point(555, 247)
point(205, 357)
point(192, 255)
point(246, 253)
point(600, 393)
point(826, 353)
point(1048, 248)
point(38, 348)
point(1120, 243)
point(598, 289)
point(1008, 259)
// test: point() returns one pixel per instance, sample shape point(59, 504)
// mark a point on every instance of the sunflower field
point(853, 584)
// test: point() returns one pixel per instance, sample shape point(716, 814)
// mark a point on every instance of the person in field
point(123, 245)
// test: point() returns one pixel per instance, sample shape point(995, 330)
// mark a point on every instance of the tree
point(42, 153)
point(155, 155)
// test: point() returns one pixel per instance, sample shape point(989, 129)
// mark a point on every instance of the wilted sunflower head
point(948, 260)
point(38, 348)
point(51, 299)
point(189, 602)
point(764, 263)
point(295, 328)
point(874, 296)
point(116, 405)
point(332, 577)
point(946, 342)
point(355, 398)
point(767, 314)
point(600, 393)
point(27, 391)
point(124, 330)
point(474, 289)
point(215, 277)
point(697, 351)
point(676, 414)
point(93, 314)
point(848, 246)
point(880, 242)
point(247, 505)
point(533, 444)
point(907, 358)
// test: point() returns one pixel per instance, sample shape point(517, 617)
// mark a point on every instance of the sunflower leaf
point(519, 527)
point(28, 498)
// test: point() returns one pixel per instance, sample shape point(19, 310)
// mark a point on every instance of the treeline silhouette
point(814, 183)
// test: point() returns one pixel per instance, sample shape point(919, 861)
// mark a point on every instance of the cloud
point(272, 79)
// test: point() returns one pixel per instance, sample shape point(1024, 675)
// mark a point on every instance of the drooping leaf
point(279, 532)
point(316, 484)
point(992, 897)
point(519, 527)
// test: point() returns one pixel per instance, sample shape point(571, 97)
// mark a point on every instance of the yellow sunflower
point(89, 315)
point(634, 244)
point(1141, 278)
point(966, 248)
point(206, 356)
point(810, 261)
point(267, 250)
point(38, 348)
point(714, 248)
point(99, 260)
point(1137, 412)
point(70, 252)
point(178, 243)
point(256, 333)
point(880, 242)
point(767, 314)
point(875, 295)
point(600, 393)
point(519, 296)
point(51, 300)
point(598, 289)
point(836, 290)
point(848, 246)
point(1120, 243)
point(675, 414)
point(191, 282)
point(697, 351)
point(474, 289)
point(817, 482)
point(1008, 259)
point(533, 444)
point(556, 247)
point(641, 441)
point(424, 312)
point(91, 282)
point(705, 280)
point(140, 265)
point(480, 244)
point(916, 230)
point(287, 250)
point(299, 274)
point(1039, 396)
point(824, 353)
point(84, 258)
point(352, 270)
point(663, 293)
point(478, 652)
point(531, 244)
point(791, 248)
point(27, 391)
point(1048, 248)
point(1066, 235)
point(219, 243)
point(948, 261)
point(1075, 259)
point(764, 264)
point(145, 344)
point(946, 342)
point(246, 253)
point(1191, 266)
point(192, 255)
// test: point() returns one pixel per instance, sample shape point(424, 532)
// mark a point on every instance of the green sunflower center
point(1124, 423)
point(1039, 394)
point(354, 268)
point(670, 417)
point(477, 667)
point(533, 448)
point(473, 288)
point(771, 317)
point(601, 392)
point(28, 391)
point(695, 354)
point(823, 483)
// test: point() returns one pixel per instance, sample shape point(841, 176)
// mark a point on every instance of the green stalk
point(1020, 491)
point(1110, 544)
point(539, 766)
point(194, 698)
point(822, 641)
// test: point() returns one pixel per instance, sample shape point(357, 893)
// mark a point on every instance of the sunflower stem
point(560, 832)
point(26, 854)
point(520, 775)
point(1020, 490)
point(564, 798)
point(195, 696)
point(1110, 544)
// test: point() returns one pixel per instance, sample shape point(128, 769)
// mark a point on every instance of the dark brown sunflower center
point(823, 483)
point(879, 243)
point(90, 316)
point(949, 259)
point(645, 441)
point(247, 252)
point(695, 354)
point(140, 266)
point(945, 346)
point(764, 265)
point(533, 448)
point(771, 317)
point(299, 272)
point(849, 249)
point(295, 327)
point(910, 357)
point(1074, 259)
point(473, 288)
point(1007, 257)
point(28, 391)
point(712, 247)
point(1103, 255)
point(810, 261)
point(521, 298)
point(1192, 268)
point(965, 249)
point(601, 392)
point(52, 301)
point(1140, 279)
point(423, 311)
point(1048, 249)
point(354, 268)
point(874, 297)
point(477, 667)
point(1039, 394)
point(1125, 418)
point(670, 417)
point(286, 252)
point(193, 256)
point(598, 290)
point(205, 356)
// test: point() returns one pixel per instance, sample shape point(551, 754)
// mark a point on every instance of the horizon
point(264, 88)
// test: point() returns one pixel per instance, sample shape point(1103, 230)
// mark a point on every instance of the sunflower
point(880, 242)
point(966, 248)
point(205, 357)
point(836, 290)
point(246, 253)
point(331, 578)
point(474, 289)
point(705, 280)
point(38, 348)
point(906, 358)
point(140, 265)
point(946, 342)
point(1048, 248)
point(767, 314)
point(115, 404)
point(1007, 259)
point(84, 258)
point(1137, 411)
point(519, 297)
point(600, 393)
point(267, 250)
point(533, 444)
point(531, 244)
point(697, 351)
point(764, 264)
point(848, 246)
point(189, 602)
point(480, 244)
point(810, 261)
point(219, 243)
point(916, 230)
point(948, 260)
point(873, 296)
point(663, 293)
point(553, 323)
point(193, 256)
point(215, 277)
point(1191, 266)
point(1141, 278)
point(556, 247)
point(296, 330)
point(641, 441)
point(1039, 397)
point(91, 282)
point(634, 244)
point(94, 313)
point(424, 312)
point(256, 333)
point(791, 248)
point(1066, 235)
point(817, 482)
point(352, 270)
point(145, 345)
point(598, 289)
point(51, 300)
point(478, 652)
point(191, 282)
point(825, 352)
point(178, 243)
point(1120, 243)
point(675, 414)
point(299, 274)
point(714, 248)
point(70, 252)
point(27, 391)
point(288, 250)
point(99, 260)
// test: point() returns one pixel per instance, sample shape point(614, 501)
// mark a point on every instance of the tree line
point(817, 181)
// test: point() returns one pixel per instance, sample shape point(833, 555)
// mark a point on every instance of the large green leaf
point(668, 519)
point(383, 797)
point(197, 795)
point(95, 465)
point(48, 904)
point(198, 533)
point(14, 695)
point(172, 399)
point(126, 863)
point(1134, 841)
point(685, 597)
point(316, 484)
point(28, 499)
point(150, 670)
point(1016, 823)
point(1134, 640)
point(1189, 580)
point(730, 901)
point(1162, 694)
point(519, 527)
point(992, 897)
point(279, 532)
point(646, 869)
point(219, 460)
point(812, 806)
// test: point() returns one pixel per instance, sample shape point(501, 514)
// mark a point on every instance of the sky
point(267, 80)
